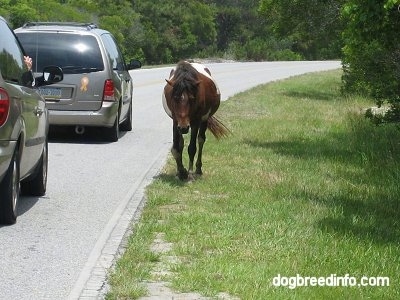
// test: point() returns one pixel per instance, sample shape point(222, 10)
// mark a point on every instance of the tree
point(312, 26)
point(167, 31)
point(371, 59)
point(175, 29)
point(23, 11)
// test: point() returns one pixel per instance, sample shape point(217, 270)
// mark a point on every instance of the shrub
point(371, 61)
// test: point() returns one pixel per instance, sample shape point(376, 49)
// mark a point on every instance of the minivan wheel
point(127, 124)
point(112, 133)
point(9, 192)
point(36, 184)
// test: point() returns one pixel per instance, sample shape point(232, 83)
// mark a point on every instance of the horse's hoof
point(183, 175)
point(191, 177)
point(199, 172)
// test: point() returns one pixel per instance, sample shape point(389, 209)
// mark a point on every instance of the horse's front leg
point(192, 146)
point(201, 140)
point(177, 148)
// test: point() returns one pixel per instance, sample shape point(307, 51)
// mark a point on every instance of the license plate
point(50, 93)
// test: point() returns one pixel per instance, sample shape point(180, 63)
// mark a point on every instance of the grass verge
point(304, 185)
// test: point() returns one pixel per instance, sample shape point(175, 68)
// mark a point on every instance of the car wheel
point(36, 184)
point(127, 124)
point(9, 192)
point(112, 134)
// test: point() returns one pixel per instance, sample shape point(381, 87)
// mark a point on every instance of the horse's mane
point(185, 79)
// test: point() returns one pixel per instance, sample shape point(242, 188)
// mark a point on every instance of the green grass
point(303, 185)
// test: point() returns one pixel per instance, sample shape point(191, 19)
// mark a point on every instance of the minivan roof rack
point(88, 26)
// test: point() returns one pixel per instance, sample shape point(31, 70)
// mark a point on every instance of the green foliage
point(313, 26)
point(371, 59)
point(175, 29)
point(22, 13)
point(167, 31)
point(260, 50)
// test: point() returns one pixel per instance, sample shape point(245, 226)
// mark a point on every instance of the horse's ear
point(169, 82)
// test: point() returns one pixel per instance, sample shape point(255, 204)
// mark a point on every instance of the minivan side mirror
point(51, 74)
point(134, 64)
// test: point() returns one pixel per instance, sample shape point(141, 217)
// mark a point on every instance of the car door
point(29, 111)
point(34, 115)
point(119, 66)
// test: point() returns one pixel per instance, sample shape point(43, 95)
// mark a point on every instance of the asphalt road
point(64, 243)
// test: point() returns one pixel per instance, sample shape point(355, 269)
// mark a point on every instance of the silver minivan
point(97, 87)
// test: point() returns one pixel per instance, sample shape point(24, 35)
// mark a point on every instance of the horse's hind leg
point(201, 140)
point(177, 148)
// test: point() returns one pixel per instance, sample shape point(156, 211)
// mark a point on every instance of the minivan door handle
point(38, 111)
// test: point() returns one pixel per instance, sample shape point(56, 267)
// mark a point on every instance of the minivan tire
point(36, 184)
point(9, 192)
point(127, 124)
point(112, 133)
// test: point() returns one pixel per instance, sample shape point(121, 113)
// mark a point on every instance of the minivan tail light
point(108, 94)
point(4, 106)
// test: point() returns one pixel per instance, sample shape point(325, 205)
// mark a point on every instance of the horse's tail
point(216, 127)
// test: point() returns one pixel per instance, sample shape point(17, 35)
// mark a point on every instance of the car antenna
point(36, 52)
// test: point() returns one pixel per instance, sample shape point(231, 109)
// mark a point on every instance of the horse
point(190, 99)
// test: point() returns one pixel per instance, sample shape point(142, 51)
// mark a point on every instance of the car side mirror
point(134, 64)
point(52, 74)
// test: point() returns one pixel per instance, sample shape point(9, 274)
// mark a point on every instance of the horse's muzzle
point(183, 130)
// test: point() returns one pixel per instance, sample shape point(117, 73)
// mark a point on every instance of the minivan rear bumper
point(104, 117)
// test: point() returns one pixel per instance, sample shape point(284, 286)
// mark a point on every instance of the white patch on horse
point(164, 103)
point(206, 116)
point(202, 70)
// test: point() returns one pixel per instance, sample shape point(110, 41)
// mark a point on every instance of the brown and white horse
point(190, 98)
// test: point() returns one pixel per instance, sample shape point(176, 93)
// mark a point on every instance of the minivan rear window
point(73, 53)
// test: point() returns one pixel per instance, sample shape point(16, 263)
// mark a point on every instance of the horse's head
point(183, 102)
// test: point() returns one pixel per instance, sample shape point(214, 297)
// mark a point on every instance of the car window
point(74, 53)
point(114, 54)
point(12, 65)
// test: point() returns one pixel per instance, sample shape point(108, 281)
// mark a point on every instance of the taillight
point(108, 94)
point(4, 106)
